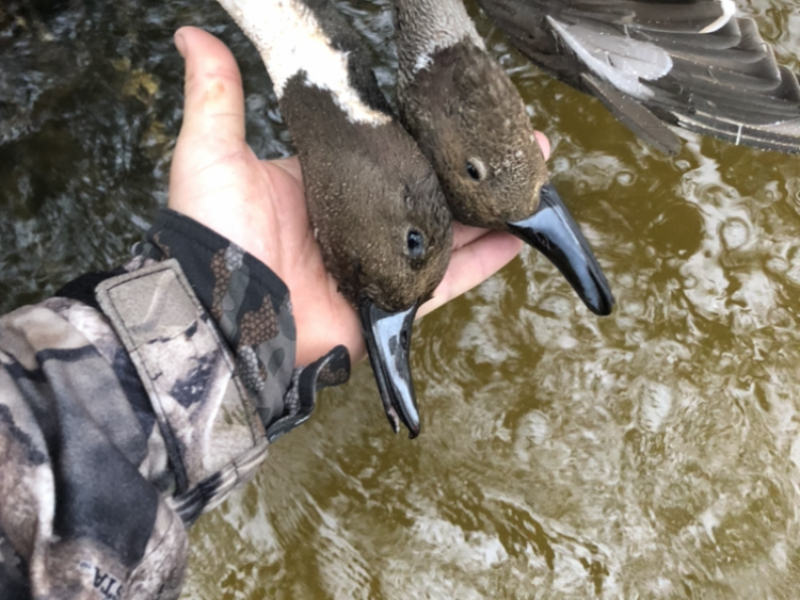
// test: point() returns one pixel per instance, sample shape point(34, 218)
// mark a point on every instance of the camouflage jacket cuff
point(248, 302)
point(253, 311)
point(186, 279)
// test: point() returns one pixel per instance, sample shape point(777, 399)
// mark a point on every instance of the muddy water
point(651, 454)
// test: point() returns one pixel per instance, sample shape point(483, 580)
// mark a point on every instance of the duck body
point(374, 202)
point(471, 123)
point(688, 63)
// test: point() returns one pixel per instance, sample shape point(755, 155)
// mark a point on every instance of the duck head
point(471, 123)
point(382, 224)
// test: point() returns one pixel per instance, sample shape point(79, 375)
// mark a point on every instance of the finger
point(214, 104)
point(544, 143)
point(471, 264)
point(291, 165)
point(466, 234)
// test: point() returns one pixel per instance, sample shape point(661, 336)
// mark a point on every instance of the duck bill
point(554, 233)
point(388, 337)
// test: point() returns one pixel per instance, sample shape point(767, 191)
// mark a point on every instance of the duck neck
point(295, 40)
point(423, 27)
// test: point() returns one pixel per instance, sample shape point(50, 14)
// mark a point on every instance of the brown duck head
point(469, 120)
point(384, 229)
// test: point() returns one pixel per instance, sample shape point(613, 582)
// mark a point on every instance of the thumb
point(214, 102)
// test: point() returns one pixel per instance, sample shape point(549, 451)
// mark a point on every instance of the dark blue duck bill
point(388, 338)
point(554, 233)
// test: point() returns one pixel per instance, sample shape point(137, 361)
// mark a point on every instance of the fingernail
point(180, 43)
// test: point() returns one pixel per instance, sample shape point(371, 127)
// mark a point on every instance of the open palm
point(260, 205)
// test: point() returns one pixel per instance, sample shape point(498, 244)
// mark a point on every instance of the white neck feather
point(290, 40)
point(428, 26)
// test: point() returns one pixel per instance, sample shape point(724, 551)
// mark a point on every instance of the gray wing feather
point(689, 63)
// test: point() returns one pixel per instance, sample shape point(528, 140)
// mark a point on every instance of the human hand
point(217, 180)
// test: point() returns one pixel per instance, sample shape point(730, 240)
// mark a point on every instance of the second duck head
point(471, 123)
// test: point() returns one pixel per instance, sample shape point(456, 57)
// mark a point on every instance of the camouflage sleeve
point(134, 401)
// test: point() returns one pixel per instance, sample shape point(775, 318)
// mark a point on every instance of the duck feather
point(723, 78)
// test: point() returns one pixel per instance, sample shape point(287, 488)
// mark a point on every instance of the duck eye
point(415, 244)
point(475, 169)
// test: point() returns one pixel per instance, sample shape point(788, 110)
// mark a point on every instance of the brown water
point(651, 454)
